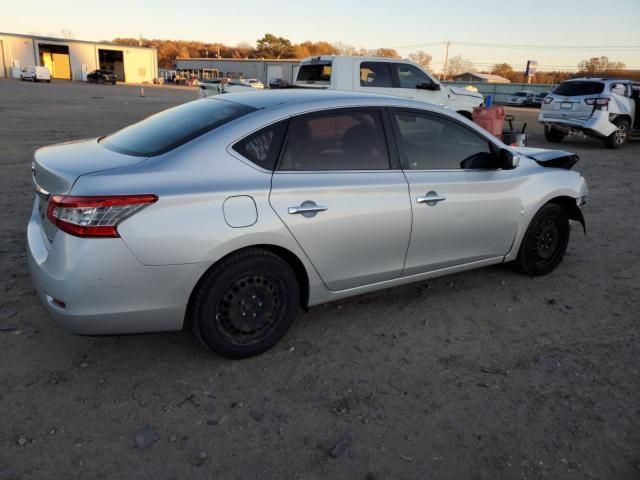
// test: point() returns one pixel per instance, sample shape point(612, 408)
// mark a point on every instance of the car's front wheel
point(545, 241)
point(553, 134)
point(245, 304)
point(618, 138)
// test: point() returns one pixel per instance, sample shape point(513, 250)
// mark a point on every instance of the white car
point(521, 98)
point(387, 76)
point(253, 82)
point(599, 107)
point(217, 86)
point(35, 74)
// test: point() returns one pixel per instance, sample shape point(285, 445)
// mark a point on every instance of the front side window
point(376, 74)
point(412, 77)
point(171, 128)
point(431, 142)
point(263, 147)
point(348, 140)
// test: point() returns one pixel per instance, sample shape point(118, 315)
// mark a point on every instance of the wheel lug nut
point(254, 314)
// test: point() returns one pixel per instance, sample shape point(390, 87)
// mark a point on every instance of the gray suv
point(599, 107)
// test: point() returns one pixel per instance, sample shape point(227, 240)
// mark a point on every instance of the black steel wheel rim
point(250, 308)
point(547, 240)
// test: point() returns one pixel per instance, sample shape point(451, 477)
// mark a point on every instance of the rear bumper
point(597, 125)
point(105, 289)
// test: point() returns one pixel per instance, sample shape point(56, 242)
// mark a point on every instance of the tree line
point(274, 47)
point(269, 47)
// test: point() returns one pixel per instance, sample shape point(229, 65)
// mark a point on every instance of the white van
point(35, 74)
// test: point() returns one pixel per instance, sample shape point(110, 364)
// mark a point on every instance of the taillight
point(94, 216)
point(548, 99)
point(596, 101)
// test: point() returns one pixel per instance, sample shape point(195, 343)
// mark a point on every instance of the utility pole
point(446, 60)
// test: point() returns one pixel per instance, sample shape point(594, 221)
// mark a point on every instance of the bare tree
point(422, 58)
point(458, 65)
point(596, 65)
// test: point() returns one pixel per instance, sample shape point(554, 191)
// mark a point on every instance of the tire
point(618, 138)
point(545, 241)
point(553, 134)
point(245, 304)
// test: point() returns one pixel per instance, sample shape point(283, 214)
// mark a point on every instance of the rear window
point(575, 89)
point(520, 94)
point(167, 130)
point(319, 73)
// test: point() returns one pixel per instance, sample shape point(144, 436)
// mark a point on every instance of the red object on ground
point(490, 118)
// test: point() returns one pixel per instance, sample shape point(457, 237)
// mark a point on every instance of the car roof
point(305, 96)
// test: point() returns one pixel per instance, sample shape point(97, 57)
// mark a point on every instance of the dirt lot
point(482, 375)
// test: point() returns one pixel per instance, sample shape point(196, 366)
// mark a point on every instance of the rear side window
point(263, 146)
point(376, 74)
point(171, 128)
point(315, 73)
point(576, 89)
point(348, 140)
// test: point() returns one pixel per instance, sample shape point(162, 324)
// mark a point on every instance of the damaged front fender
point(550, 158)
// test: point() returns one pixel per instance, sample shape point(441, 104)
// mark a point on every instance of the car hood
point(465, 92)
point(549, 158)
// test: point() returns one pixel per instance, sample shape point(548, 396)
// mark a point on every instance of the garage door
point(3, 71)
point(274, 71)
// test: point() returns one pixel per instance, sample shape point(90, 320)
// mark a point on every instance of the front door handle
point(306, 209)
point(432, 198)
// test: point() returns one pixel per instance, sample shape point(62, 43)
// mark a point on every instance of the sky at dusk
point(556, 33)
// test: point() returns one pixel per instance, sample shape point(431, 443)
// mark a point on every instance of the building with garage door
point(263, 70)
point(70, 59)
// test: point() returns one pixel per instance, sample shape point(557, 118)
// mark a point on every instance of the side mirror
point(428, 86)
point(507, 160)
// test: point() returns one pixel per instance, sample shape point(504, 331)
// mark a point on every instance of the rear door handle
point(306, 209)
point(431, 199)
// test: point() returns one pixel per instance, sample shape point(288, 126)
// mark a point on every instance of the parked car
point(521, 98)
point(599, 107)
point(538, 100)
point(278, 83)
point(203, 215)
point(253, 82)
point(386, 76)
point(217, 86)
point(35, 74)
point(102, 76)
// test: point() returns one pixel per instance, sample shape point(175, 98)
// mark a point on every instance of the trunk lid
point(56, 168)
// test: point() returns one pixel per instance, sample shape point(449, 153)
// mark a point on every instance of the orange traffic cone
point(141, 91)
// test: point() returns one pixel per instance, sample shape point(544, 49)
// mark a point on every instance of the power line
point(520, 46)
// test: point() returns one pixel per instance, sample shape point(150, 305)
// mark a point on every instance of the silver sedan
point(231, 213)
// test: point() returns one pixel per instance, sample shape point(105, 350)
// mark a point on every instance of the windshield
point(577, 88)
point(171, 128)
point(315, 73)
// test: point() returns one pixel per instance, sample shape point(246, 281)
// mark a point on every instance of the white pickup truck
point(388, 76)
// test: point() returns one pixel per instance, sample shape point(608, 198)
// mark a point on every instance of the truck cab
point(387, 76)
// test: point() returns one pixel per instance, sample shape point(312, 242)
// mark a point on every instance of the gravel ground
point(483, 375)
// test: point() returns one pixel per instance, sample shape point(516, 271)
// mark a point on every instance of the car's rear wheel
point(554, 135)
point(245, 304)
point(545, 241)
point(618, 138)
